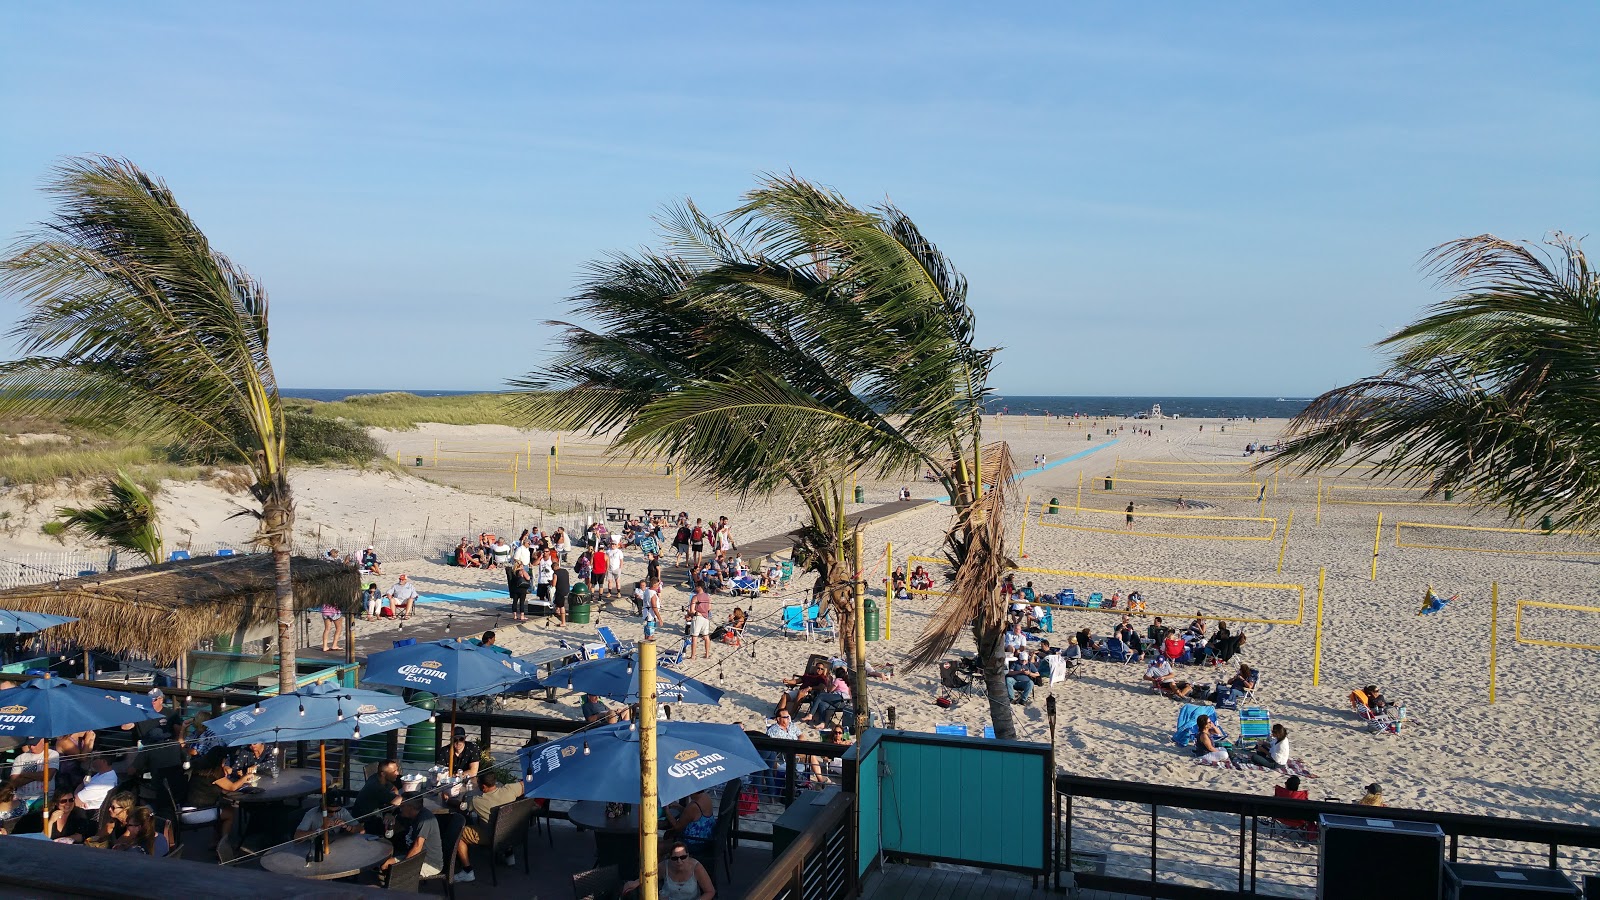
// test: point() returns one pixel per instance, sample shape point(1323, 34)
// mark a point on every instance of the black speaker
point(1473, 881)
point(1360, 858)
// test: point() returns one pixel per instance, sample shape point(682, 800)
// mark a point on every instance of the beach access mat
point(1294, 767)
point(429, 597)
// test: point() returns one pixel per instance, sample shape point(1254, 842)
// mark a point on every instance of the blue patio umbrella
point(446, 668)
point(14, 622)
point(50, 707)
point(617, 677)
point(603, 763)
point(318, 712)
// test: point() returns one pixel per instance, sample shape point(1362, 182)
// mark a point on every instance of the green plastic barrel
point(861, 494)
point(1108, 484)
point(420, 737)
point(1449, 495)
point(1546, 525)
point(872, 621)
point(578, 613)
point(1055, 506)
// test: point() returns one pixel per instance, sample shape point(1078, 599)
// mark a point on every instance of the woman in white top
point(682, 879)
point(1272, 753)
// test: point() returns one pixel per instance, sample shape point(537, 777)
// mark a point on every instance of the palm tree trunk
point(989, 643)
point(277, 522)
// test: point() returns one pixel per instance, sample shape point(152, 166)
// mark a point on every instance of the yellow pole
point(888, 588)
point(860, 696)
point(436, 454)
point(649, 865)
point(677, 486)
point(1022, 542)
point(1494, 626)
point(1377, 539)
point(548, 489)
point(515, 471)
point(1316, 648)
point(1284, 549)
point(1079, 505)
point(1319, 501)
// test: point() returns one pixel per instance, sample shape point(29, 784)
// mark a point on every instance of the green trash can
point(420, 737)
point(1449, 495)
point(861, 494)
point(1546, 525)
point(419, 462)
point(1055, 506)
point(578, 607)
point(1108, 484)
point(872, 621)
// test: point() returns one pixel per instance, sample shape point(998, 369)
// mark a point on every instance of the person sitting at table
point(595, 710)
point(208, 782)
point(68, 822)
point(381, 792)
point(330, 816)
point(27, 770)
point(684, 878)
point(421, 838)
point(119, 810)
point(479, 805)
point(99, 785)
point(691, 820)
point(251, 759)
point(785, 728)
point(12, 809)
point(140, 834)
point(460, 753)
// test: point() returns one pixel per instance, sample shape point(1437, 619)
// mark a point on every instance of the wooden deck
point(906, 882)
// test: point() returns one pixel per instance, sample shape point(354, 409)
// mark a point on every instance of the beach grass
point(399, 411)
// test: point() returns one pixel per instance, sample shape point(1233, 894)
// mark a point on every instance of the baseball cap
point(1374, 788)
point(155, 693)
point(459, 733)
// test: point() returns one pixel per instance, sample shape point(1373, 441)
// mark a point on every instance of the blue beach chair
point(955, 730)
point(794, 621)
point(1115, 651)
point(614, 646)
point(1255, 724)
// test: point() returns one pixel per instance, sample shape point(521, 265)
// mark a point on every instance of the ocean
point(1188, 407)
point(329, 395)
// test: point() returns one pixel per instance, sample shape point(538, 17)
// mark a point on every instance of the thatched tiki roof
point(163, 611)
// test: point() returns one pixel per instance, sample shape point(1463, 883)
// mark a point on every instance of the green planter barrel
point(420, 737)
point(579, 613)
point(872, 621)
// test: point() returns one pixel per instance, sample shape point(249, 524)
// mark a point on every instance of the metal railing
point(1173, 842)
point(820, 863)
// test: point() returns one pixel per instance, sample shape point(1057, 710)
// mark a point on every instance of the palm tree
point(135, 320)
point(796, 342)
point(126, 518)
point(1496, 391)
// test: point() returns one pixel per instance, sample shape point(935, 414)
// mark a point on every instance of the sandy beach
point(1531, 754)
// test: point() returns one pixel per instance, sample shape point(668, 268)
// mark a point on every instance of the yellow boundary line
point(1524, 531)
point(1516, 630)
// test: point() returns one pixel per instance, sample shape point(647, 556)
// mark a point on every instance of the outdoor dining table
point(549, 657)
point(347, 855)
point(290, 784)
point(591, 814)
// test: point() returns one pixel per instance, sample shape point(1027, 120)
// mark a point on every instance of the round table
point(290, 784)
point(347, 855)
point(591, 814)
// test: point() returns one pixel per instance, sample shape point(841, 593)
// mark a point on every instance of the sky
point(1148, 199)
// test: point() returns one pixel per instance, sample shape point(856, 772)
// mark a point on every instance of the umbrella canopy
point(318, 712)
point(50, 707)
point(446, 668)
point(603, 763)
point(617, 677)
point(12, 622)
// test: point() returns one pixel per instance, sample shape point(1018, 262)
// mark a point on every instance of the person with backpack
point(697, 544)
point(680, 543)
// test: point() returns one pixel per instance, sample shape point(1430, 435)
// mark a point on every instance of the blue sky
point(1169, 199)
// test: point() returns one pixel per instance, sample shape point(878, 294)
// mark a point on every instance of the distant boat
point(1281, 400)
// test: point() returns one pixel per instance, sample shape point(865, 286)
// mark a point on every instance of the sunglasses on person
point(783, 718)
point(679, 856)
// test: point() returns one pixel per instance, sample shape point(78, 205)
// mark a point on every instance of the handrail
point(787, 872)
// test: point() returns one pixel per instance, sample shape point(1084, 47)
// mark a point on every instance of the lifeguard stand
point(1155, 411)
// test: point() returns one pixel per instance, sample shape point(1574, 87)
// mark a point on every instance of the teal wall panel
point(868, 805)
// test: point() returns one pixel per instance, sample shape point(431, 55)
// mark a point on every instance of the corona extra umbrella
point(49, 707)
point(453, 669)
point(617, 677)
point(603, 763)
point(13, 622)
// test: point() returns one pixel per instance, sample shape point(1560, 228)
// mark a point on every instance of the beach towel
point(1292, 767)
point(1188, 723)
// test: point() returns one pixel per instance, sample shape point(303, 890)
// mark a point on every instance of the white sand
point(1531, 754)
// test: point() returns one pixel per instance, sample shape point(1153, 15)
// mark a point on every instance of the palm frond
point(126, 518)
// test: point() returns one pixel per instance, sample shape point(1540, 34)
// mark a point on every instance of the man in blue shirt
point(1021, 678)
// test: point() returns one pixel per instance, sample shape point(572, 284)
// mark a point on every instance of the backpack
point(698, 534)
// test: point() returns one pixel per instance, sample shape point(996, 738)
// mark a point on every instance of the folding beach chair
point(956, 730)
point(1114, 651)
point(1058, 667)
point(794, 621)
point(176, 555)
point(952, 682)
point(226, 551)
point(673, 657)
point(613, 646)
point(1095, 599)
point(817, 624)
point(1255, 724)
point(787, 572)
point(1048, 622)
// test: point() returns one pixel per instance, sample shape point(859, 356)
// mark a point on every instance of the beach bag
point(944, 702)
point(749, 803)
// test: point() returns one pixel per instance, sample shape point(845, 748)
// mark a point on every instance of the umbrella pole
point(452, 766)
point(322, 754)
point(649, 808)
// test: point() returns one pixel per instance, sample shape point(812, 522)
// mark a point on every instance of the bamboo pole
point(860, 696)
point(1494, 631)
point(322, 757)
point(1377, 541)
point(1316, 649)
point(1281, 550)
point(548, 490)
point(436, 454)
point(888, 588)
point(649, 858)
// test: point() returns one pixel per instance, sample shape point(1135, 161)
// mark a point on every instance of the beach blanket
point(1294, 767)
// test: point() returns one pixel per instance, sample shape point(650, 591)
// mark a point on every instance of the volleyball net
point(1570, 619)
point(1484, 539)
point(1116, 485)
point(1171, 526)
point(1243, 597)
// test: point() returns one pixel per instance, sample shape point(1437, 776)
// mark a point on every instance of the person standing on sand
point(700, 621)
point(563, 583)
point(1129, 524)
point(614, 570)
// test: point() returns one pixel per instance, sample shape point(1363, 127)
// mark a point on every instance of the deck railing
point(1158, 841)
point(820, 863)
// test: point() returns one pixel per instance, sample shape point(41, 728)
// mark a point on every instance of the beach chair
point(1389, 722)
point(673, 657)
point(226, 551)
point(954, 730)
point(794, 622)
point(1058, 667)
point(1067, 597)
point(1176, 650)
point(176, 555)
point(614, 646)
point(1255, 724)
point(786, 572)
point(1096, 599)
point(952, 682)
point(1048, 623)
point(817, 624)
point(1113, 650)
point(988, 731)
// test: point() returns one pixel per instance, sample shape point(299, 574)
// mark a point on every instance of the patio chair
point(510, 824)
point(604, 883)
point(952, 682)
point(405, 875)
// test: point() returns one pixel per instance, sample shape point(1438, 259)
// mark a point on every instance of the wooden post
point(1316, 648)
point(1494, 623)
point(1319, 501)
point(649, 862)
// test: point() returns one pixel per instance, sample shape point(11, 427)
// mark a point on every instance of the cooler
point(1475, 881)
point(1359, 858)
